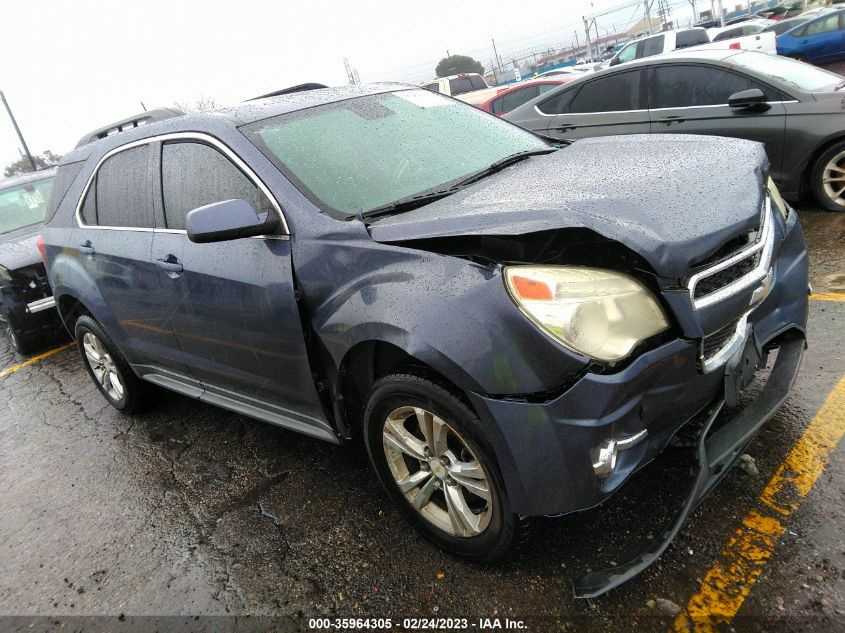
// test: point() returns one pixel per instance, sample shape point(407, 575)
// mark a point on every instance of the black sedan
point(793, 108)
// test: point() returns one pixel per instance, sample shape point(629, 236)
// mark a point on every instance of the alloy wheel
point(103, 366)
point(437, 472)
point(833, 179)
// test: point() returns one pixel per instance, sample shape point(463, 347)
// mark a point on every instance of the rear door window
point(729, 34)
point(518, 97)
point(693, 37)
point(460, 85)
point(627, 54)
point(558, 104)
point(651, 46)
point(825, 25)
point(614, 93)
point(119, 194)
point(195, 174)
point(686, 86)
point(477, 82)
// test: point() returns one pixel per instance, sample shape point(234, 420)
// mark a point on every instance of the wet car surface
point(188, 509)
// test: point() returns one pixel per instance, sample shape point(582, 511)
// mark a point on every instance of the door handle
point(86, 248)
point(170, 264)
point(669, 120)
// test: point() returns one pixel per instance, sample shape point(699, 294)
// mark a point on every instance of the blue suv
point(513, 327)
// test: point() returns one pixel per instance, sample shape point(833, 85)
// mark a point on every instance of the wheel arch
point(367, 361)
point(805, 186)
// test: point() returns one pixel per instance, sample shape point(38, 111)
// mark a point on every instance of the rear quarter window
point(65, 175)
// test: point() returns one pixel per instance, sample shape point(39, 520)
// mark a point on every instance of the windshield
point(24, 204)
point(790, 71)
point(355, 155)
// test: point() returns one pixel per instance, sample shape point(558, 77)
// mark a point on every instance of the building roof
point(641, 27)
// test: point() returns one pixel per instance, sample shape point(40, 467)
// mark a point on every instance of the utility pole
point(694, 12)
point(18, 131)
point(496, 54)
point(647, 7)
point(577, 46)
point(721, 14)
point(589, 41)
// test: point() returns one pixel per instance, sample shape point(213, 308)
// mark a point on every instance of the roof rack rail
point(142, 118)
point(287, 91)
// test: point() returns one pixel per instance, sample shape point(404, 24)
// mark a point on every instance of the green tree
point(22, 166)
point(455, 64)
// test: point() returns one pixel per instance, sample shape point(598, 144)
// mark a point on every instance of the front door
point(612, 104)
point(693, 99)
point(233, 305)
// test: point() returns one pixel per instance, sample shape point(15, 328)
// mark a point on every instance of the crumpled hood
point(674, 199)
point(19, 248)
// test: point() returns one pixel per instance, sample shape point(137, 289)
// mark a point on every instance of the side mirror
point(228, 220)
point(752, 99)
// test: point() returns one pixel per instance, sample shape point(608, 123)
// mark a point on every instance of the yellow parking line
point(827, 296)
point(34, 359)
point(729, 580)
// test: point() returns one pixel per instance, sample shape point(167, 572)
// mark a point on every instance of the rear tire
point(827, 178)
point(108, 368)
point(428, 450)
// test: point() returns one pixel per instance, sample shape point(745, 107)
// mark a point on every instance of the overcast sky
point(69, 67)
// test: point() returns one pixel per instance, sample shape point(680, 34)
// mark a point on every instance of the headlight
point(777, 199)
point(599, 313)
point(5, 274)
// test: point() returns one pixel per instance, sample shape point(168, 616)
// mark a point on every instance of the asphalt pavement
point(191, 510)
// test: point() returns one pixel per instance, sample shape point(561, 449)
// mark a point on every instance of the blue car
point(818, 41)
point(512, 327)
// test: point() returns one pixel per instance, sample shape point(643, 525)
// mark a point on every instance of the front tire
point(428, 451)
point(827, 178)
point(21, 343)
point(108, 368)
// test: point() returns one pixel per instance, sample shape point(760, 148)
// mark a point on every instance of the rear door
point(234, 308)
point(114, 242)
point(610, 104)
point(693, 99)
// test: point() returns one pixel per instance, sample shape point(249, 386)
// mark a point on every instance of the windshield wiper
point(500, 164)
point(406, 204)
point(425, 197)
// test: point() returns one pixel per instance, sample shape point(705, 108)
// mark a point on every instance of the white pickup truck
point(695, 38)
point(468, 87)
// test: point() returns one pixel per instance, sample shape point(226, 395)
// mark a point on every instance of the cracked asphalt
point(188, 509)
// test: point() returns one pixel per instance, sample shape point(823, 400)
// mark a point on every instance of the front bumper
point(717, 452)
point(546, 450)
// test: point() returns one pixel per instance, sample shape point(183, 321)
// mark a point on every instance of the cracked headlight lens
point(599, 313)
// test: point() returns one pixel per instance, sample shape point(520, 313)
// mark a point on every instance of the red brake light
point(735, 46)
point(41, 249)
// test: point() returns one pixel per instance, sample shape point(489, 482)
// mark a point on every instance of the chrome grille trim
point(764, 246)
point(735, 343)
